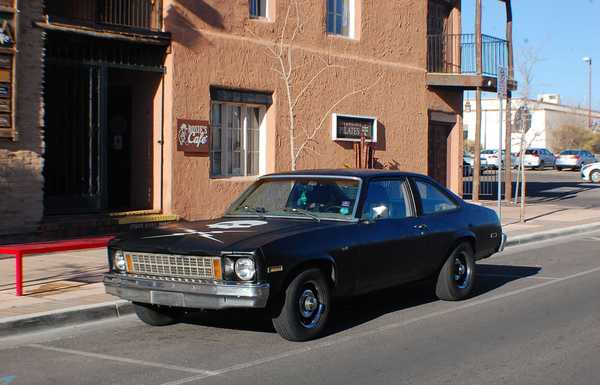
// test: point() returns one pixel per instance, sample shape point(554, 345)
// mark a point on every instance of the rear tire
point(595, 176)
point(558, 168)
point(154, 315)
point(306, 307)
point(456, 278)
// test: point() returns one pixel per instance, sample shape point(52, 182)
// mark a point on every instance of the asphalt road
point(535, 319)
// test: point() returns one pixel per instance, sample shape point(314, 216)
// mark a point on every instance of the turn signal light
point(218, 275)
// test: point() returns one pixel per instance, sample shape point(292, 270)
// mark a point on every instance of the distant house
point(547, 113)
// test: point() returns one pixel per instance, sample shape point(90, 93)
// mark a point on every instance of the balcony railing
point(457, 54)
point(113, 14)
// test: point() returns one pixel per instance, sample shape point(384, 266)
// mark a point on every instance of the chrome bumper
point(502, 243)
point(187, 295)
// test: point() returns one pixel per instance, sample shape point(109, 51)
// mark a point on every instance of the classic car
point(293, 242)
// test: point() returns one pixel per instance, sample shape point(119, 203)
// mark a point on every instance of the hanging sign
point(502, 83)
point(193, 136)
point(350, 128)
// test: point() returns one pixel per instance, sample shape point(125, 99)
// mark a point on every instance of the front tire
point(154, 315)
point(306, 307)
point(595, 176)
point(456, 278)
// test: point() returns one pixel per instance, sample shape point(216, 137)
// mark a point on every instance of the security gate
point(488, 185)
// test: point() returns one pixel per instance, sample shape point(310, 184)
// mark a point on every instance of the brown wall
point(214, 43)
point(21, 163)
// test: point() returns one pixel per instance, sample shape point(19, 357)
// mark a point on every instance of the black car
point(292, 242)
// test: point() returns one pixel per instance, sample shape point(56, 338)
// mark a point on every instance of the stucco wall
point(21, 162)
point(214, 43)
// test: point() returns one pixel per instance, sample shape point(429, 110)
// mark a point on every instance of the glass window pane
point(433, 200)
point(387, 199)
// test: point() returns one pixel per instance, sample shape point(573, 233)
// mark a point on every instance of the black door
point(73, 167)
point(389, 254)
point(439, 217)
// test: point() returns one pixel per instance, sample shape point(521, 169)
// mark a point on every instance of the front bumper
point(187, 295)
point(502, 243)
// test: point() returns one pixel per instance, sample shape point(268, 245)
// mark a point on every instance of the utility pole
point(479, 57)
point(588, 60)
point(511, 76)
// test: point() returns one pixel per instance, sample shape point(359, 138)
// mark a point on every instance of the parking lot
point(534, 319)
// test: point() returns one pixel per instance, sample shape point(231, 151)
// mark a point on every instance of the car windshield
point(310, 198)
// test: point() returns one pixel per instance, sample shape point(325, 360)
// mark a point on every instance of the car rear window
point(531, 152)
point(569, 152)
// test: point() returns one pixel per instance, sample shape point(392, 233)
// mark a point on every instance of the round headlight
point(244, 269)
point(119, 261)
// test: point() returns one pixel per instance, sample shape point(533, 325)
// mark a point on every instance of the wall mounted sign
point(7, 51)
point(193, 136)
point(350, 128)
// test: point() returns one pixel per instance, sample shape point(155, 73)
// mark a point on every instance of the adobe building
point(136, 112)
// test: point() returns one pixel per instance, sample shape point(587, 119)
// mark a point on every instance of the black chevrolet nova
point(292, 242)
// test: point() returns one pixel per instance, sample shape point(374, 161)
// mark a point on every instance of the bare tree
point(301, 137)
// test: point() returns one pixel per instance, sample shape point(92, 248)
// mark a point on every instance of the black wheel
point(305, 308)
point(595, 176)
point(457, 277)
point(155, 315)
point(542, 166)
point(558, 168)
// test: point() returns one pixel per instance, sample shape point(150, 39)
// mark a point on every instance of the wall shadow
point(183, 30)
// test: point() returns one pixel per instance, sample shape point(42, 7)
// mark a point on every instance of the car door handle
point(422, 227)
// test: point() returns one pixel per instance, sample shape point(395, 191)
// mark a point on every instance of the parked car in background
point(574, 159)
point(538, 158)
point(470, 160)
point(293, 242)
point(591, 172)
point(491, 157)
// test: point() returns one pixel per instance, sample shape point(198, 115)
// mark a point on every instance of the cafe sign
point(350, 128)
point(193, 136)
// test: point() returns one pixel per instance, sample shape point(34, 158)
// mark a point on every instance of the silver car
point(574, 159)
point(539, 158)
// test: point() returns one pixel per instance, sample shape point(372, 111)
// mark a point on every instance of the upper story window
point(258, 9)
point(341, 16)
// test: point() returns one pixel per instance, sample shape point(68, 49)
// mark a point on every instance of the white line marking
point(124, 360)
point(378, 330)
point(516, 276)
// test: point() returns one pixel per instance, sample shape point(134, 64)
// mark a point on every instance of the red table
point(19, 251)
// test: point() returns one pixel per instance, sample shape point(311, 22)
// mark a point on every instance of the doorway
point(437, 159)
point(99, 130)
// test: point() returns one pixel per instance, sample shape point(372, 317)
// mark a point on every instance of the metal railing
point(457, 54)
point(121, 14)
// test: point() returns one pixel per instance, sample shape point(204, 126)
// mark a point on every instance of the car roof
point(346, 172)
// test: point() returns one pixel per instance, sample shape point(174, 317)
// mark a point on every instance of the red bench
point(19, 251)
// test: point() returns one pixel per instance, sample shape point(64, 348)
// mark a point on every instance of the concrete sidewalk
point(66, 288)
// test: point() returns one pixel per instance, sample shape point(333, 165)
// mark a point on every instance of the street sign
point(502, 83)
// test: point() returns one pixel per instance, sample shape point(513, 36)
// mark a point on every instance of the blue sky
point(560, 32)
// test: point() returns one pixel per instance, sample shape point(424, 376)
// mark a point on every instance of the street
point(535, 319)
point(562, 187)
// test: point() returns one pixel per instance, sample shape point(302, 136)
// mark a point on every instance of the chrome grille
point(168, 265)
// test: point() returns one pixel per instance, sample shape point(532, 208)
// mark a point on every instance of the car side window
point(433, 200)
point(387, 199)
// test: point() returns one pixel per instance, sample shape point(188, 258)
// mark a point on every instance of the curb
point(552, 234)
point(29, 323)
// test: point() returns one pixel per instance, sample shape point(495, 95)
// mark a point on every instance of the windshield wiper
point(302, 211)
point(259, 210)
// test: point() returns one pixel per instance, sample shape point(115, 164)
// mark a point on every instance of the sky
point(560, 33)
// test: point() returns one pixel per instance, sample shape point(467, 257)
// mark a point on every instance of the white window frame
point(351, 20)
point(226, 153)
point(260, 17)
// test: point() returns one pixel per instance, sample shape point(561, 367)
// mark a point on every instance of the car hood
point(213, 236)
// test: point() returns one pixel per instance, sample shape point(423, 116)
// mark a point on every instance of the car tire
point(306, 307)
point(595, 176)
point(456, 278)
point(154, 315)
point(558, 168)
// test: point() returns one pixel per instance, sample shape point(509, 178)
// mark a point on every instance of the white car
point(591, 172)
point(491, 157)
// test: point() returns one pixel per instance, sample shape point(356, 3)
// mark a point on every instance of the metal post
point(19, 273)
point(590, 95)
point(500, 160)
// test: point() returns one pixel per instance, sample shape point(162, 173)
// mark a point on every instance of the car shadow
point(351, 312)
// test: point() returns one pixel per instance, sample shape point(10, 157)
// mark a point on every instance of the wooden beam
point(479, 58)
point(508, 118)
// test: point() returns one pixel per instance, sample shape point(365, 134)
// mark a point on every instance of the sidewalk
point(66, 287)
